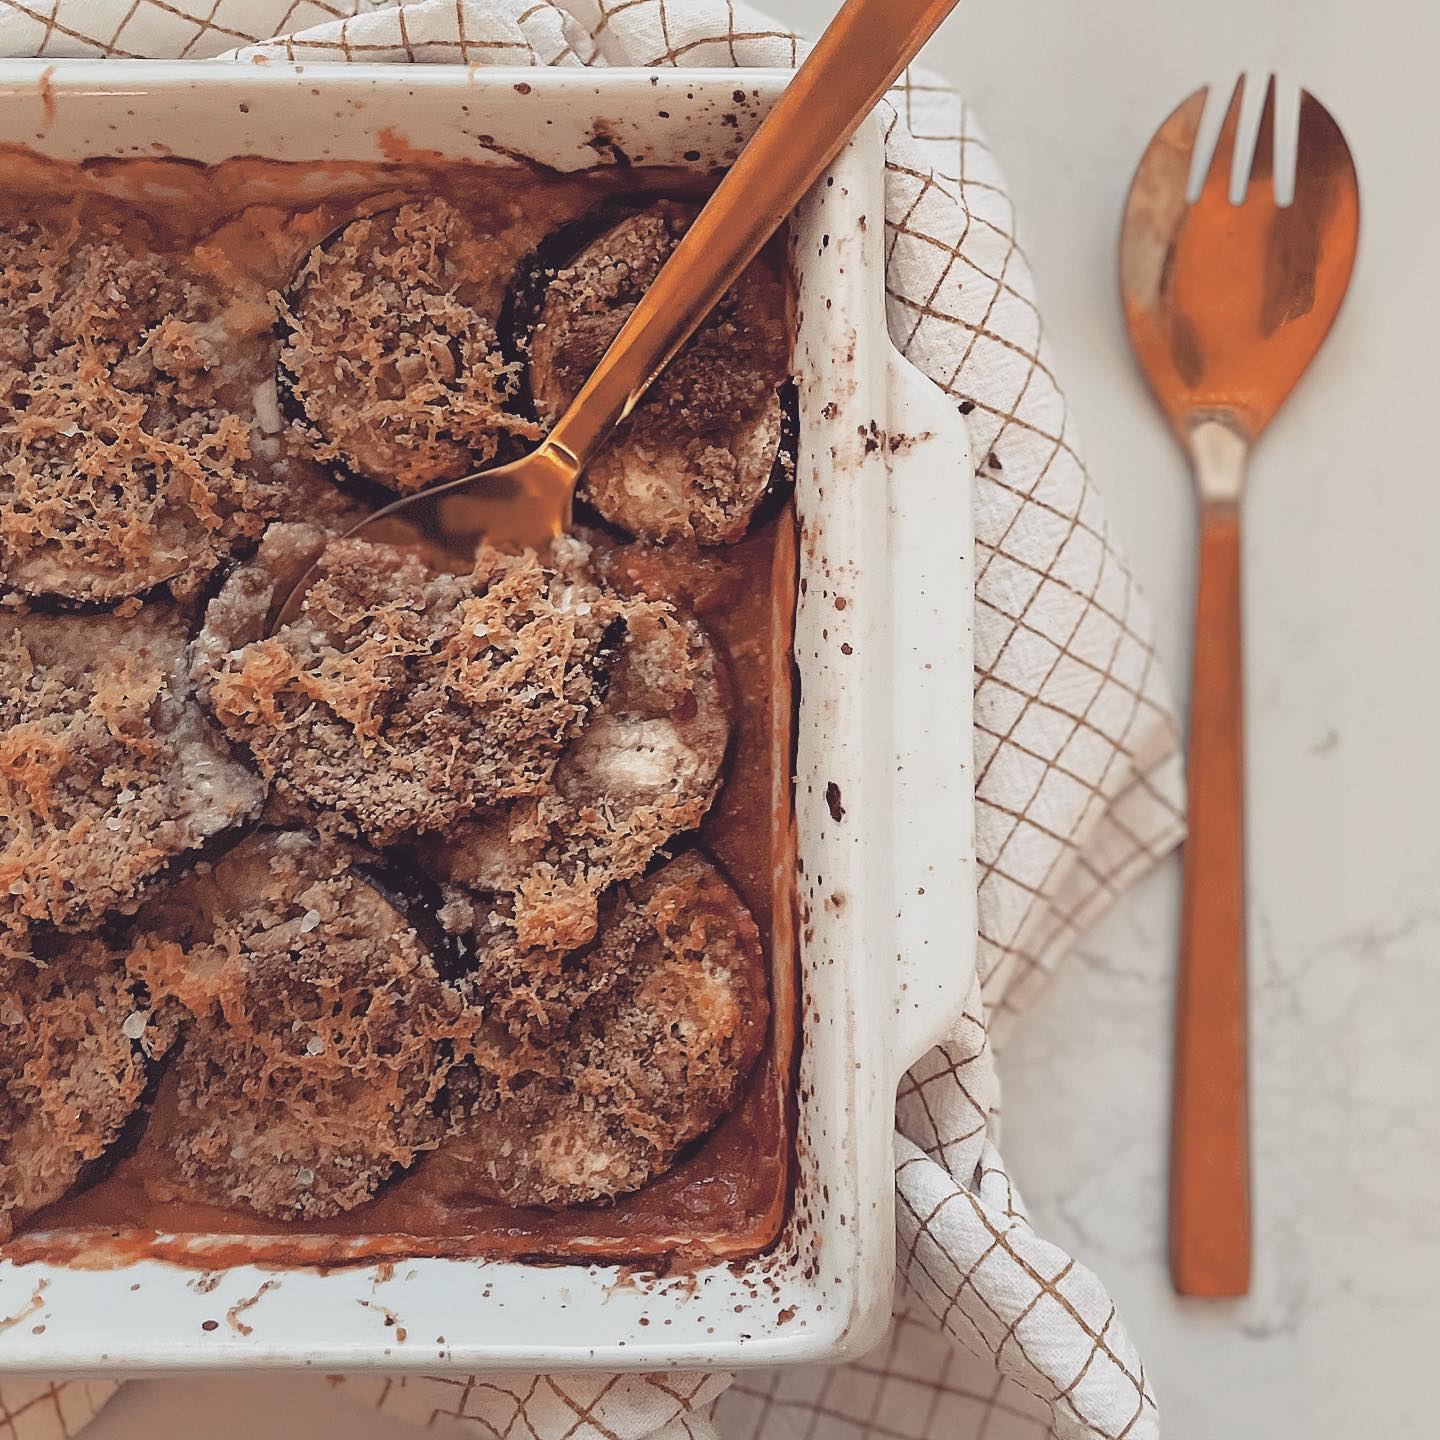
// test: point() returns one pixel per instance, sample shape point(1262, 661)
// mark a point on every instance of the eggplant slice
point(79, 1041)
point(403, 700)
point(129, 434)
point(390, 364)
point(646, 1040)
point(705, 445)
point(646, 768)
point(109, 769)
point(320, 1036)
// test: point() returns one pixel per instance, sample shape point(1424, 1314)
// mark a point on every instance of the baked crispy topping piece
point(78, 1043)
point(646, 768)
point(320, 1034)
point(128, 414)
point(403, 700)
point(698, 454)
point(109, 769)
point(392, 359)
point(639, 1043)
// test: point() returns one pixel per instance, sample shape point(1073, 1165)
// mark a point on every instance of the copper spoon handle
point(1210, 1160)
point(856, 60)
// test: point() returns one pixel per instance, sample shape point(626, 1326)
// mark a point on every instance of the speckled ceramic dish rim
point(883, 785)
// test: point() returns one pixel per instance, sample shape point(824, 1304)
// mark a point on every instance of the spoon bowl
point(522, 505)
point(1227, 303)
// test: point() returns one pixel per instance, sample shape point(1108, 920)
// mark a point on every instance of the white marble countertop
point(1344, 855)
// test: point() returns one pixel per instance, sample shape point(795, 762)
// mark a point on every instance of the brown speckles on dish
point(233, 1314)
point(900, 442)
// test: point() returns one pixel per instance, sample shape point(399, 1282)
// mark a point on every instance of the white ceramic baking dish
point(883, 784)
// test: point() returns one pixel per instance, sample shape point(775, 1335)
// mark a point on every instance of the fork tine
point(1322, 147)
point(1164, 166)
point(1217, 177)
point(1262, 163)
point(1157, 197)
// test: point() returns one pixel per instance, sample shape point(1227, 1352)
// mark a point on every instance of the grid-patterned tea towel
point(997, 1332)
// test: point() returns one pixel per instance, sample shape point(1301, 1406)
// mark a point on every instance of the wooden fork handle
point(1210, 1159)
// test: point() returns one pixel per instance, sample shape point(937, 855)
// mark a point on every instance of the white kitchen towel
point(997, 1332)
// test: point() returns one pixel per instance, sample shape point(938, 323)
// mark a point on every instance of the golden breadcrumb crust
point(127, 423)
point(403, 700)
point(109, 769)
point(696, 457)
point(647, 1038)
point(318, 1036)
point(77, 1040)
point(396, 371)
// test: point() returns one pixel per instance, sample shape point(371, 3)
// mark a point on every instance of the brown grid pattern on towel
point(1076, 759)
point(44, 1409)
point(538, 1407)
point(917, 1386)
point(972, 1260)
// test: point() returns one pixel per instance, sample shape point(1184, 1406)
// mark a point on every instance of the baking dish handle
point(931, 528)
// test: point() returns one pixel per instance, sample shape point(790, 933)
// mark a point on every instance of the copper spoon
point(529, 502)
point(1226, 306)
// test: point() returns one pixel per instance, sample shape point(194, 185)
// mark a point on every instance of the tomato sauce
point(253, 221)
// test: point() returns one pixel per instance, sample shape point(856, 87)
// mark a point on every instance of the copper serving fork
point(529, 501)
point(1226, 306)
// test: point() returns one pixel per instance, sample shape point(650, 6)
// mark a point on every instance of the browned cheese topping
point(320, 1034)
point(697, 455)
point(403, 700)
point(127, 414)
point(391, 353)
point(645, 769)
point(77, 1038)
point(639, 1045)
point(109, 770)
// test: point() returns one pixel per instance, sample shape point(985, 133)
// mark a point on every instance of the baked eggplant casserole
point(449, 902)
